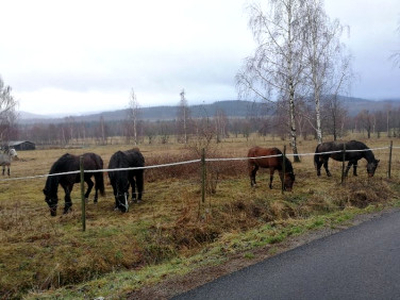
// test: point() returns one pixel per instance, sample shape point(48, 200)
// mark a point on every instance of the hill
point(231, 108)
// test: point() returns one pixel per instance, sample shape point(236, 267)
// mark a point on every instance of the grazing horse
point(121, 179)
point(273, 163)
point(321, 158)
point(6, 158)
point(68, 163)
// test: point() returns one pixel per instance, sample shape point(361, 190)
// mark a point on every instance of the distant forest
point(217, 121)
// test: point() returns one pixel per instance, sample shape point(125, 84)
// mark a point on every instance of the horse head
point(289, 181)
point(52, 202)
point(371, 167)
point(12, 152)
point(122, 201)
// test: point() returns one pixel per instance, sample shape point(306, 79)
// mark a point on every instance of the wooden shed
point(22, 145)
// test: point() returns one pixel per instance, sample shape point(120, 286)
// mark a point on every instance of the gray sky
point(84, 56)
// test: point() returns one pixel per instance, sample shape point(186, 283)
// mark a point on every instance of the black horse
point(121, 179)
point(68, 163)
point(351, 156)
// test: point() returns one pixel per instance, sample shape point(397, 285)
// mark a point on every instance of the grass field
point(171, 231)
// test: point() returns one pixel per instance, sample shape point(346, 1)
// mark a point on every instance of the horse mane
point(288, 166)
point(64, 160)
point(52, 182)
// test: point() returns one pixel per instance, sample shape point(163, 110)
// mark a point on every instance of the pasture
point(44, 256)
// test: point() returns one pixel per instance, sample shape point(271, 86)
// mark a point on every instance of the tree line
point(184, 129)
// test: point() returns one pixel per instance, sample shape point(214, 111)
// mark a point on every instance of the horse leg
point(139, 184)
point(4, 169)
point(67, 199)
point(271, 177)
point(252, 172)
point(89, 189)
point(133, 185)
point(346, 172)
point(8, 171)
point(319, 165)
point(355, 168)
point(328, 173)
point(114, 186)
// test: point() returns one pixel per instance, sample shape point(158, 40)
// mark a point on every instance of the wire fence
point(220, 159)
point(203, 161)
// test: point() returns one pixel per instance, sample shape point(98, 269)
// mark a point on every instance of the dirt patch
point(179, 284)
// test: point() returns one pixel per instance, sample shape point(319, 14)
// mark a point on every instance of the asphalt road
point(362, 262)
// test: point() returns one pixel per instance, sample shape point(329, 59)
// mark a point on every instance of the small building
point(22, 145)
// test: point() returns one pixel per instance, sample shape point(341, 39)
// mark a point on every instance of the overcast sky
point(85, 56)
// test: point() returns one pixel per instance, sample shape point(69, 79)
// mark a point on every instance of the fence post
point(390, 159)
point(83, 195)
point(203, 175)
point(343, 163)
point(283, 168)
point(203, 181)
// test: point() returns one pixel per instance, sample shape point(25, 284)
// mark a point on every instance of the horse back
point(92, 161)
point(265, 162)
point(135, 157)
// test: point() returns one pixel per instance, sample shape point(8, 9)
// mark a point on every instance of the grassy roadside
point(251, 246)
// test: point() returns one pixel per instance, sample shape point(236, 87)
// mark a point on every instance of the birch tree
point(183, 118)
point(7, 111)
point(275, 70)
point(133, 116)
point(328, 67)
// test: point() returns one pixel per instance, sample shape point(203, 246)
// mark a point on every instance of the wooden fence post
point(83, 195)
point(283, 168)
point(343, 163)
point(203, 181)
point(203, 176)
point(390, 159)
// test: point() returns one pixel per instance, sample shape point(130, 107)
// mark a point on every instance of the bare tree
point(324, 56)
point(221, 124)
point(183, 118)
point(335, 114)
point(133, 117)
point(275, 71)
point(7, 111)
point(367, 121)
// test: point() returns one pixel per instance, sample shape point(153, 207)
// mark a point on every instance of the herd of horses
point(126, 170)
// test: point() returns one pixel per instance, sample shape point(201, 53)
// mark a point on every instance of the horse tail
point(316, 156)
point(99, 176)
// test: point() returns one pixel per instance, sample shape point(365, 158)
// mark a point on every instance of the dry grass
point(38, 252)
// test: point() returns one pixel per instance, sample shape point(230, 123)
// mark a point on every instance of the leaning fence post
point(343, 163)
point(83, 195)
point(390, 159)
point(283, 168)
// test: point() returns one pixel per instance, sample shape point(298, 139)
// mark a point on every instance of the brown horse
point(275, 162)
